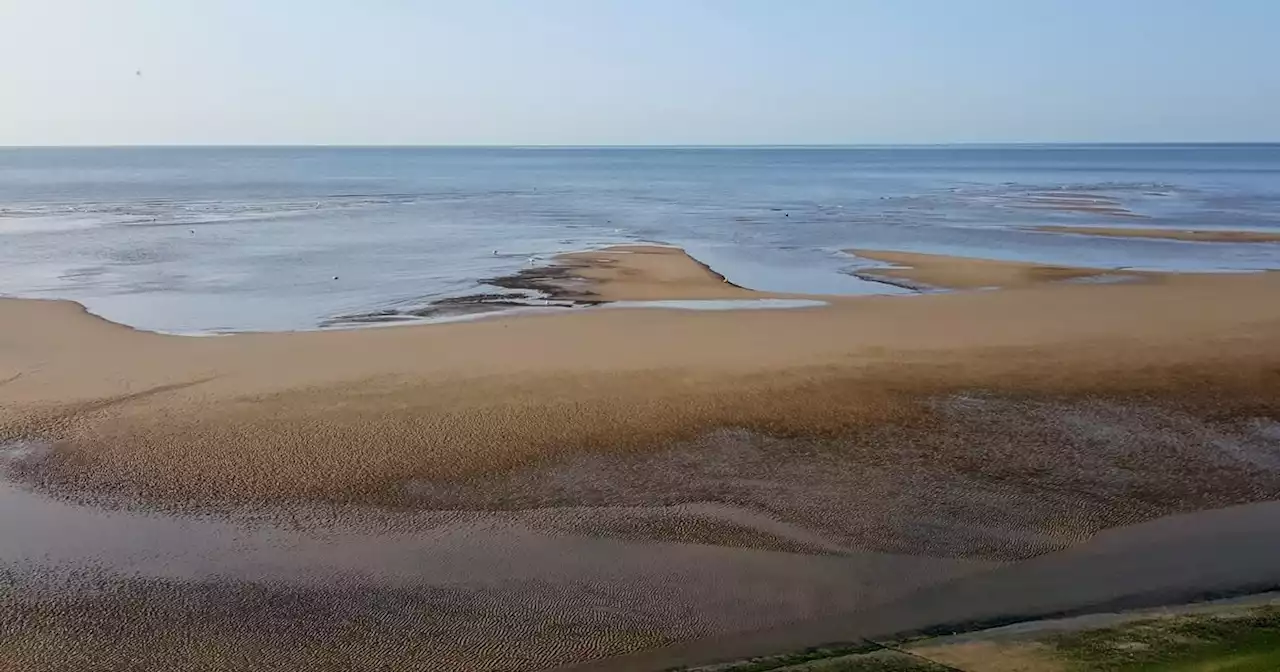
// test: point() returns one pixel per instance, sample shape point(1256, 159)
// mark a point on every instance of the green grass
point(1241, 642)
point(1236, 641)
point(881, 661)
point(853, 658)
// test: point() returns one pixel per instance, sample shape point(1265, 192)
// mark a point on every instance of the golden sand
point(1200, 236)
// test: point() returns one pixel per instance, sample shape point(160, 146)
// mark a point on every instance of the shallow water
point(203, 239)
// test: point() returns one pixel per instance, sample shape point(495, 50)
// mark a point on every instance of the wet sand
point(1217, 236)
point(534, 491)
point(935, 271)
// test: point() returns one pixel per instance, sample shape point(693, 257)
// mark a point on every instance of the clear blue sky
point(637, 72)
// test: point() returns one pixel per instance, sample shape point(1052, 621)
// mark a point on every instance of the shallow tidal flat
point(538, 491)
point(1075, 201)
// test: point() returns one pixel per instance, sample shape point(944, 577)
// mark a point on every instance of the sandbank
point(1076, 202)
point(935, 271)
point(628, 273)
point(623, 273)
point(1199, 236)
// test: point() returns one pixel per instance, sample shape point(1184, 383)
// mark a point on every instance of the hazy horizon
point(575, 73)
point(865, 145)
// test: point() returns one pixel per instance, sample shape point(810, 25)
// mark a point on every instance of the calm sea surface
point(228, 239)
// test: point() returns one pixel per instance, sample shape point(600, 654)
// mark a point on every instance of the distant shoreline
point(1153, 233)
point(784, 146)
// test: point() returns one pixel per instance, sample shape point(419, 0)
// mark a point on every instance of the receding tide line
point(719, 304)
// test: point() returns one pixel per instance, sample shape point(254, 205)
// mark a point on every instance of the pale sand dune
point(1201, 236)
point(794, 454)
point(936, 271)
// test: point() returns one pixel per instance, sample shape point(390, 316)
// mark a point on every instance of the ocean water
point(197, 240)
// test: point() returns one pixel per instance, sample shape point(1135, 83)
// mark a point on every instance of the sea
point(205, 240)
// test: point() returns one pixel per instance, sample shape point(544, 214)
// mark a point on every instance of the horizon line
point(903, 145)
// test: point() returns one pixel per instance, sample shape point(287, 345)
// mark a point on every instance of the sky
point(637, 72)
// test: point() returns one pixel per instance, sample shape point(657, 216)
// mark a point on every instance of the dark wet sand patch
point(457, 306)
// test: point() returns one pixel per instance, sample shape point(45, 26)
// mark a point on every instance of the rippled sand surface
point(591, 557)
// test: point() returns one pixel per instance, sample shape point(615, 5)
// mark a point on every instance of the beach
point(1158, 332)
point(639, 337)
point(537, 490)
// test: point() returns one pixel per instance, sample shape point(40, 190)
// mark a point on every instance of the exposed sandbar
point(1090, 204)
point(936, 271)
point(628, 273)
point(1198, 236)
